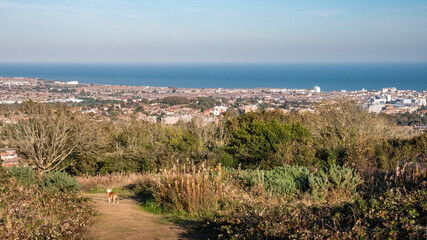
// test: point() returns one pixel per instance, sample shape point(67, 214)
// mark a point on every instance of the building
point(389, 90)
point(375, 108)
point(9, 157)
point(250, 108)
point(378, 100)
point(316, 89)
point(219, 109)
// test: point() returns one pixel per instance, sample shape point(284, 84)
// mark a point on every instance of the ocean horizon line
point(329, 76)
point(217, 63)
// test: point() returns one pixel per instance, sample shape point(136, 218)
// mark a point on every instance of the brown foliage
point(192, 189)
point(32, 213)
point(48, 135)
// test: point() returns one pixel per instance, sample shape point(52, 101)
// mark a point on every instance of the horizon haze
point(213, 31)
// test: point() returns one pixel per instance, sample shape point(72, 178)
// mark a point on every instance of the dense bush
point(295, 180)
point(394, 152)
point(28, 212)
point(24, 175)
point(267, 143)
point(335, 181)
point(60, 181)
point(141, 146)
point(53, 181)
point(282, 180)
point(392, 215)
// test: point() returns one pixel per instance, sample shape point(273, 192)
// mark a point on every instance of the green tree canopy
point(257, 142)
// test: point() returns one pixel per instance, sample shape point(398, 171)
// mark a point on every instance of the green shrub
point(282, 180)
point(24, 175)
point(255, 143)
point(319, 185)
point(227, 160)
point(250, 178)
point(342, 178)
point(292, 180)
point(287, 179)
point(334, 180)
point(60, 181)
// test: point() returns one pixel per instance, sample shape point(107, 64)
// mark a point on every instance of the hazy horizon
point(217, 63)
point(220, 31)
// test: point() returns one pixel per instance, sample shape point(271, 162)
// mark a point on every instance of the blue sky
point(213, 31)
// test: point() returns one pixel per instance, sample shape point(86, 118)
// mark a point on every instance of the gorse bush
point(24, 175)
point(60, 181)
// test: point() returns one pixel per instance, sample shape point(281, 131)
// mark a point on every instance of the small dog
point(112, 197)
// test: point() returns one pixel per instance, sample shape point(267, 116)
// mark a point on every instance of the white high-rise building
point(316, 89)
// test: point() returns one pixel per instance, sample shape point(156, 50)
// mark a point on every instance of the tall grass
point(410, 175)
point(197, 190)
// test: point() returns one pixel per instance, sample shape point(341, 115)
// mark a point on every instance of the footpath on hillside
point(127, 221)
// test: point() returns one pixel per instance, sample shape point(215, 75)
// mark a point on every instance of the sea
point(328, 76)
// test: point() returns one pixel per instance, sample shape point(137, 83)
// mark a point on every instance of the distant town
point(168, 105)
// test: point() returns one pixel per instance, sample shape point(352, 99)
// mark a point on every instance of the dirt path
point(128, 221)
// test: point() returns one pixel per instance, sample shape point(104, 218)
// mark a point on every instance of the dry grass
point(410, 175)
point(115, 180)
point(193, 189)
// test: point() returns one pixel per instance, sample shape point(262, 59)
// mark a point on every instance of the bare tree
point(49, 135)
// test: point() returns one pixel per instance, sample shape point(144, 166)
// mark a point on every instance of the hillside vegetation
point(42, 208)
point(339, 172)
